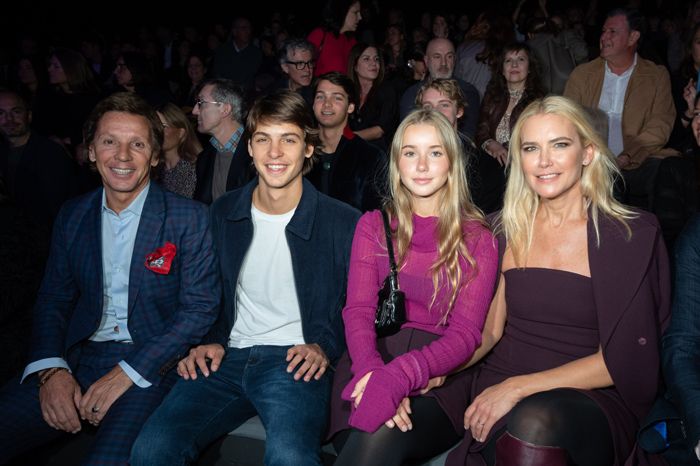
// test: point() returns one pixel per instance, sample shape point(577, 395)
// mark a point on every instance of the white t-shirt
point(266, 297)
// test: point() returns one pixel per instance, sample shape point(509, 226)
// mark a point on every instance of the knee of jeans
point(155, 447)
point(291, 453)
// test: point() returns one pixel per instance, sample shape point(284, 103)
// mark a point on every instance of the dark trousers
point(22, 426)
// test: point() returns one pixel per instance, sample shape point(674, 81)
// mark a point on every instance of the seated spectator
point(349, 168)
point(440, 62)
point(135, 73)
point(296, 58)
point(60, 114)
point(38, 174)
point(568, 372)
point(336, 35)
point(636, 95)
point(130, 284)
point(448, 262)
point(224, 164)
point(374, 118)
point(485, 177)
point(680, 343)
point(508, 93)
point(176, 170)
point(238, 59)
point(270, 349)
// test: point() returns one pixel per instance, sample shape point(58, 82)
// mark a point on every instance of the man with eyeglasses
point(297, 62)
point(224, 164)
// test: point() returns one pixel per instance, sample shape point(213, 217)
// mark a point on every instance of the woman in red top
point(334, 38)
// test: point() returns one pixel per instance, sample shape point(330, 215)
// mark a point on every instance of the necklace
point(516, 94)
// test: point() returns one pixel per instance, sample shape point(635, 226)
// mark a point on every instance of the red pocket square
point(160, 260)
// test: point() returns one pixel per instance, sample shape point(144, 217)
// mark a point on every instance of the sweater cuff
point(379, 402)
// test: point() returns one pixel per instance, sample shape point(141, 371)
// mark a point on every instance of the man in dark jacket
point(350, 169)
point(284, 253)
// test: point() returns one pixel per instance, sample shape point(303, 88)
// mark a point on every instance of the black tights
point(563, 418)
point(432, 434)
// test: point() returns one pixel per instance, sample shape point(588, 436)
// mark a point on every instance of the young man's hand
point(312, 358)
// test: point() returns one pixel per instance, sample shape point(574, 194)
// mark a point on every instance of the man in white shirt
point(636, 96)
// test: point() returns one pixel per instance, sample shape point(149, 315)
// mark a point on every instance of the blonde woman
point(176, 172)
point(581, 304)
point(447, 262)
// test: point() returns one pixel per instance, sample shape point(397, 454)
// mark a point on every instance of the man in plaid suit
point(131, 283)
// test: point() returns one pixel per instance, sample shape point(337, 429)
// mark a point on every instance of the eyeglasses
point(121, 65)
point(200, 102)
point(300, 65)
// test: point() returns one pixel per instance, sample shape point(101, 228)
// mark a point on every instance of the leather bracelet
point(48, 374)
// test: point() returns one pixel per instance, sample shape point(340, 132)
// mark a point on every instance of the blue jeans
point(249, 381)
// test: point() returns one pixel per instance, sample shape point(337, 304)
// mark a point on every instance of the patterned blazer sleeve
point(56, 299)
point(162, 335)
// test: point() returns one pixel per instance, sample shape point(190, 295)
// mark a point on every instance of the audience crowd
point(199, 223)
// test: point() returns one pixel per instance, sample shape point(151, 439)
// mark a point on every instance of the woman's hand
point(402, 418)
point(689, 93)
point(360, 388)
point(435, 382)
point(496, 150)
point(490, 406)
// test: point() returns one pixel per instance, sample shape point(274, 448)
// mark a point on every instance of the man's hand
point(102, 394)
point(623, 160)
point(59, 398)
point(198, 357)
point(314, 360)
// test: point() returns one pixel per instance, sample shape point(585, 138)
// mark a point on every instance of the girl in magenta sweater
point(447, 263)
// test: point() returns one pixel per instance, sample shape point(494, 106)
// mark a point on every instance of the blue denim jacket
point(319, 236)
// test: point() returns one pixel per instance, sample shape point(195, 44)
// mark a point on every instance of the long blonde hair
point(455, 208)
point(520, 202)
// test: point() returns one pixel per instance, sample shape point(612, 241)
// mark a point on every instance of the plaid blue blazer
point(167, 313)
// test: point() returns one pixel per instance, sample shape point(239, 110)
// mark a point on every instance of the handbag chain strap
point(390, 249)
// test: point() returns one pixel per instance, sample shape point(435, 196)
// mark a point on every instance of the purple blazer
point(632, 293)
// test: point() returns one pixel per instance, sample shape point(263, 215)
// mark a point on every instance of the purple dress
point(552, 320)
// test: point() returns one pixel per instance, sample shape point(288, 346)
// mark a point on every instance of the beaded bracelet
point(48, 374)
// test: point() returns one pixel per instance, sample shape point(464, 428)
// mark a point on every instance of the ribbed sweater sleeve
point(410, 372)
point(364, 281)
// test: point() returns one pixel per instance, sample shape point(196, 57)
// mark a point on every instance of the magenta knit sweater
point(410, 372)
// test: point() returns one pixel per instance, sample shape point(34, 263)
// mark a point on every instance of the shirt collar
point(627, 72)
point(136, 206)
point(231, 144)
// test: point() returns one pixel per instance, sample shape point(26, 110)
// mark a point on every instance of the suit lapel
point(617, 268)
point(148, 238)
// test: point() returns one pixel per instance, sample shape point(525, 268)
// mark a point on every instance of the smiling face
point(423, 167)
point(123, 154)
point(278, 151)
point(616, 40)
point(516, 65)
point(433, 99)
point(553, 157)
point(331, 105)
point(368, 64)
